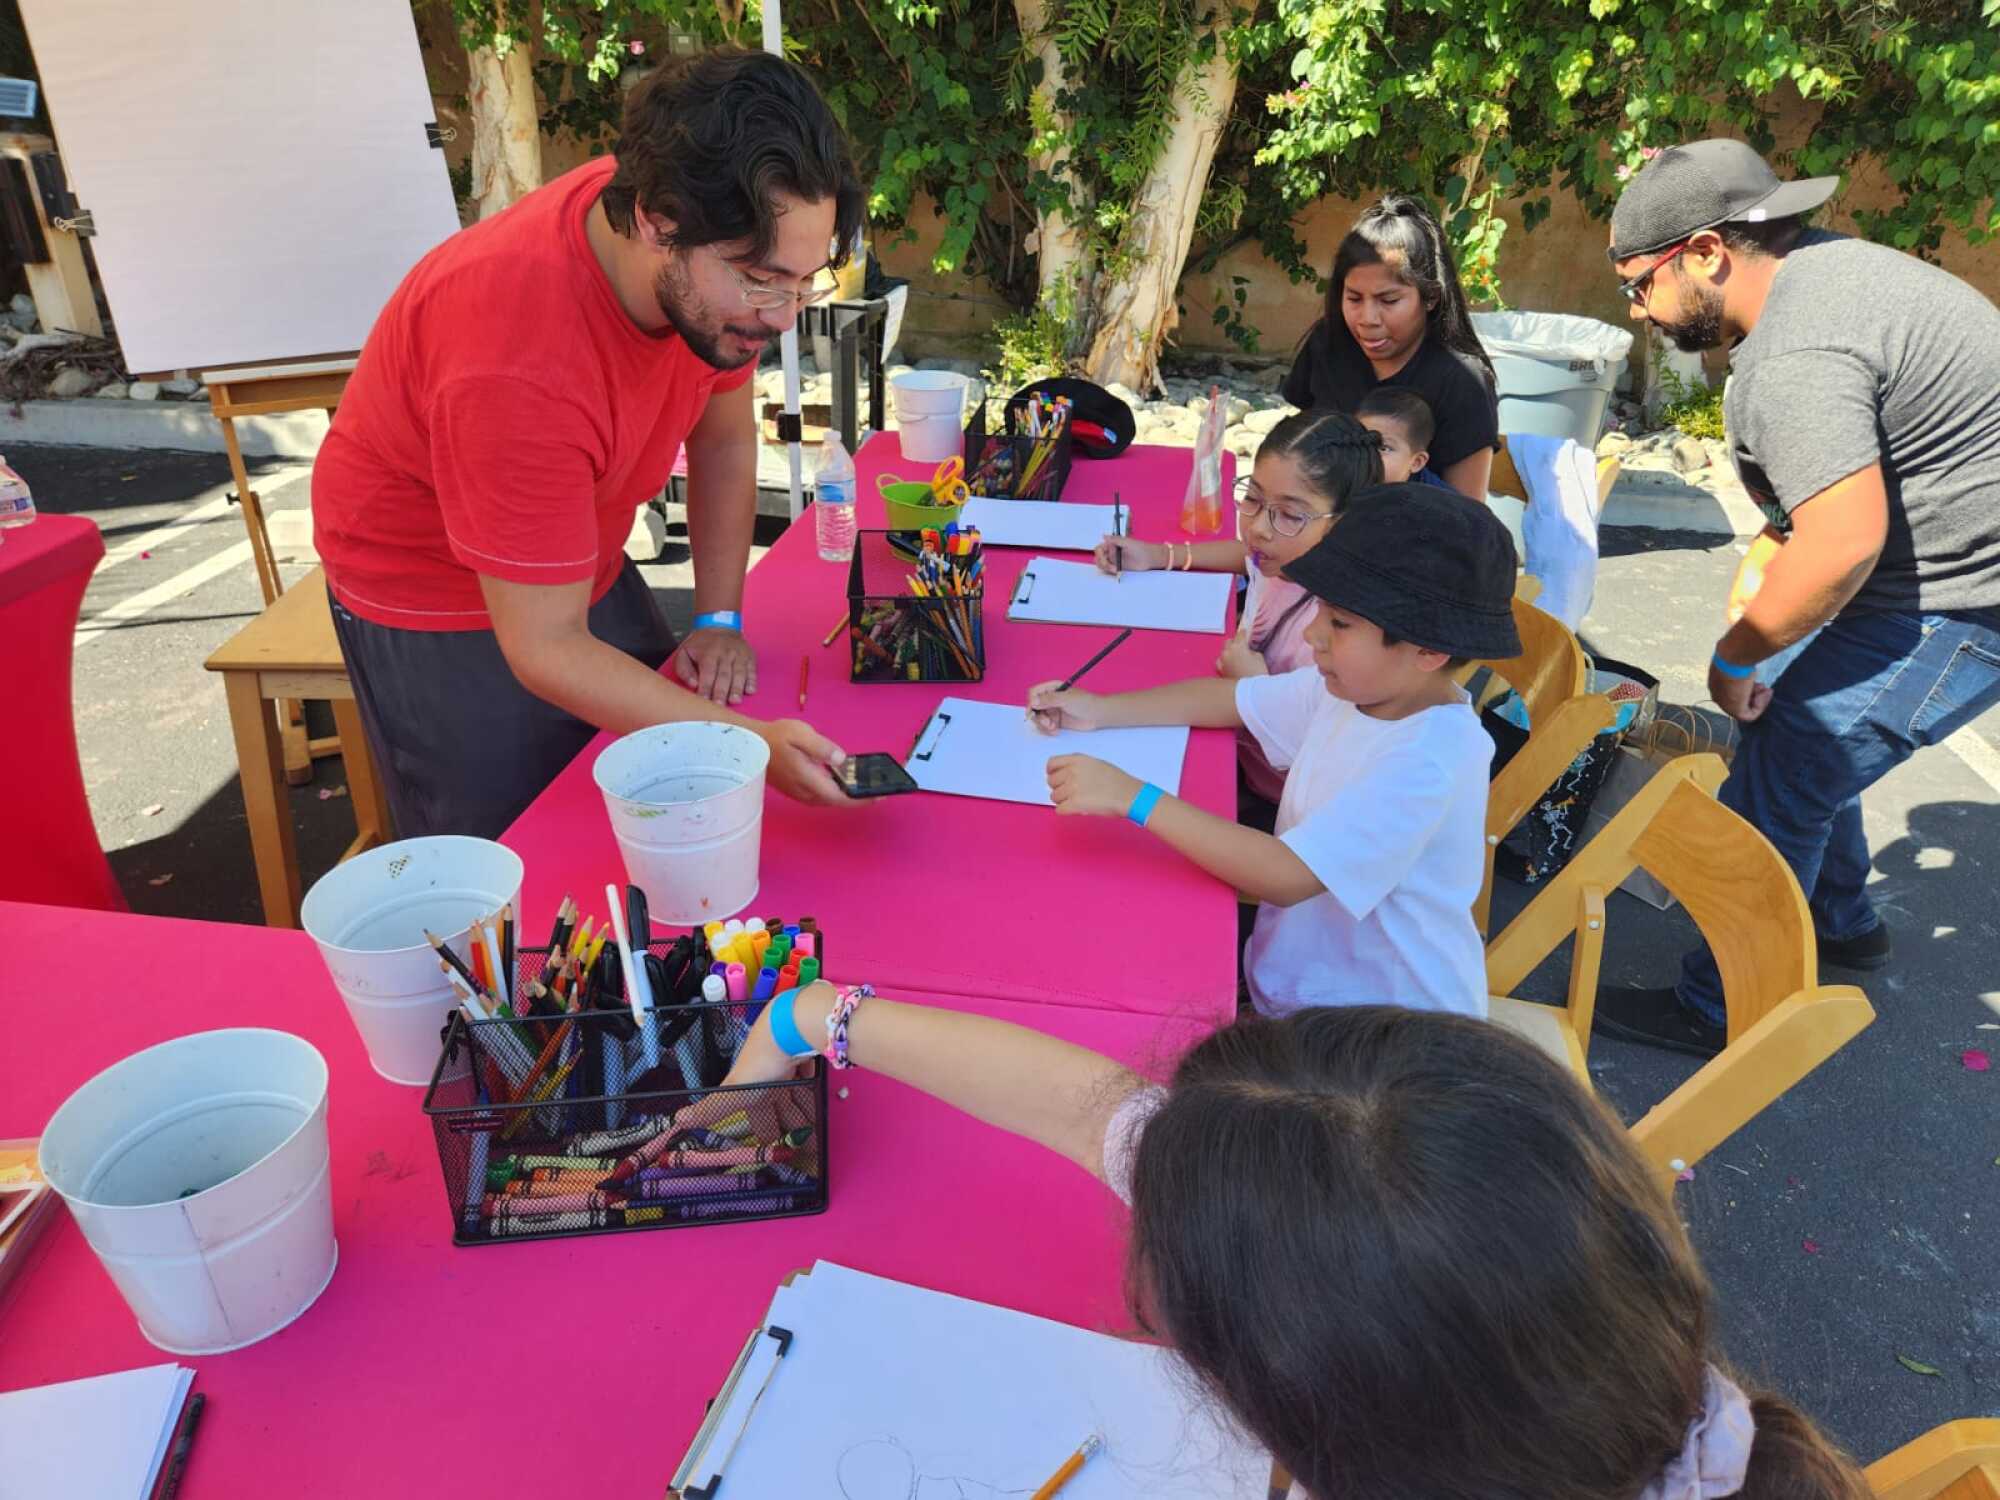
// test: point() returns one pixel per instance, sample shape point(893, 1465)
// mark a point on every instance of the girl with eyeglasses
point(1308, 467)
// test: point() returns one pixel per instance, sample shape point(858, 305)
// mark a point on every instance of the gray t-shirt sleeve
point(1808, 418)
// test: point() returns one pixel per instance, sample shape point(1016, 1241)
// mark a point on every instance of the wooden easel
point(257, 392)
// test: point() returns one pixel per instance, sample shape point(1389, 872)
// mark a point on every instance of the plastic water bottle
point(833, 501)
point(17, 506)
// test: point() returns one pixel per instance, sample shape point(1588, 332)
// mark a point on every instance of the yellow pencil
point(1070, 1467)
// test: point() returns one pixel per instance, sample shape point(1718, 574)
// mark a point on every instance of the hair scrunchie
point(1715, 1456)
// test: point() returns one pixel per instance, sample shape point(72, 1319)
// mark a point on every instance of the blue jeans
point(1867, 692)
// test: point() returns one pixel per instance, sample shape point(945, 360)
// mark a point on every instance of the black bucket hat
point(1101, 426)
point(1424, 564)
point(1686, 189)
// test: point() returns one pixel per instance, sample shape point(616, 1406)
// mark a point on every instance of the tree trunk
point(1059, 244)
point(506, 127)
point(1136, 312)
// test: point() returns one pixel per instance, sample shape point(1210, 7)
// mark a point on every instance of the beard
point(1700, 327)
point(697, 324)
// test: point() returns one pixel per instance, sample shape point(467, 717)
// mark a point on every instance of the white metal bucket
point(930, 414)
point(687, 806)
point(369, 916)
point(198, 1172)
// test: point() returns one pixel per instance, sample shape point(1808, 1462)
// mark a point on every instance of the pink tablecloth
point(53, 852)
point(434, 1371)
point(950, 894)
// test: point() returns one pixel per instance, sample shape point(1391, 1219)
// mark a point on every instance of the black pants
point(461, 746)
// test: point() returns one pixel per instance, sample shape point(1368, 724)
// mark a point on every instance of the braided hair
point(1337, 455)
point(1401, 233)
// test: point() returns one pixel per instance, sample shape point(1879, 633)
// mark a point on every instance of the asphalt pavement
point(1853, 1230)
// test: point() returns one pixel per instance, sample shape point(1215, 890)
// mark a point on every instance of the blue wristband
point(1730, 669)
point(785, 1027)
point(720, 619)
point(1143, 804)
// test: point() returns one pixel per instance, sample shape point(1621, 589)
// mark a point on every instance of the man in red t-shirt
point(524, 391)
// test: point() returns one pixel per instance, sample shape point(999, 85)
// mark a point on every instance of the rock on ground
point(144, 390)
point(69, 382)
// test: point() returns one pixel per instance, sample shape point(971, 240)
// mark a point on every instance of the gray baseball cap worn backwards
point(1686, 189)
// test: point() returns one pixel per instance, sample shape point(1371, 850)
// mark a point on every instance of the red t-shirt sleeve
point(515, 465)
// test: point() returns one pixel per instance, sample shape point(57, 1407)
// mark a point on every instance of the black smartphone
point(874, 775)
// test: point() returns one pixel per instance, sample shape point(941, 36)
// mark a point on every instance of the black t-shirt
point(1335, 374)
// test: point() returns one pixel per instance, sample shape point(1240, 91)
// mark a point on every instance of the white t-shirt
point(1390, 816)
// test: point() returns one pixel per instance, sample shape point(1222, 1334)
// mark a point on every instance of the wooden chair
point(1958, 1461)
point(1782, 1023)
point(1553, 678)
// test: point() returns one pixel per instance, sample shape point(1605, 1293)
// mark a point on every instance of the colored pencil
point(805, 669)
point(838, 626)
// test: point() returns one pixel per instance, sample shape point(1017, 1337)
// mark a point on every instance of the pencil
point(805, 668)
point(1118, 527)
point(185, 1441)
point(1110, 646)
point(1070, 1466)
point(445, 953)
point(838, 626)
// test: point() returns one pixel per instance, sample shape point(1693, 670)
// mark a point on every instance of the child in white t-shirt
point(1365, 889)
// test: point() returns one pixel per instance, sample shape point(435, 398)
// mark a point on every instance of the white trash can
point(1556, 371)
point(198, 1171)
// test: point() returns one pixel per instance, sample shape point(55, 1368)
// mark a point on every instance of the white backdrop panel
point(257, 169)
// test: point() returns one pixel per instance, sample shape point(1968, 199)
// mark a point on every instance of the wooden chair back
point(1553, 677)
point(1957, 1461)
point(1781, 1022)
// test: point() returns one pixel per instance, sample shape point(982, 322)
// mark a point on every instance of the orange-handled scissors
point(948, 483)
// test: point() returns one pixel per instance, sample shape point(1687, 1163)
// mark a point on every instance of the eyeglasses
point(1286, 523)
point(771, 296)
point(1640, 287)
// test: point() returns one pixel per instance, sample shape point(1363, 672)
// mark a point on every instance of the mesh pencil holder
point(589, 1123)
point(895, 635)
point(1011, 464)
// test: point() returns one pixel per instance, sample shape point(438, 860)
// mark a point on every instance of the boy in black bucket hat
point(1365, 889)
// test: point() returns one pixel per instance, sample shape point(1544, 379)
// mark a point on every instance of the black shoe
point(1865, 953)
point(1655, 1018)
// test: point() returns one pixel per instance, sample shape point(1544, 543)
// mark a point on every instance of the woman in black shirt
point(1396, 315)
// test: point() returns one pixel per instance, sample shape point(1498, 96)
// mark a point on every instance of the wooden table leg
point(372, 821)
point(260, 758)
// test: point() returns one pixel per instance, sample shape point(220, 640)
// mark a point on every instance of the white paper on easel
point(1055, 592)
point(890, 1391)
point(971, 749)
point(260, 172)
point(1043, 523)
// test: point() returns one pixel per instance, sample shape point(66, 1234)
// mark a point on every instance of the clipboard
point(730, 1410)
point(1053, 591)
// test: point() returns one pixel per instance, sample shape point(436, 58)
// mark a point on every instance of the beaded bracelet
point(836, 1022)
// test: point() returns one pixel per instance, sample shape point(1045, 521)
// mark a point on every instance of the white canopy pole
point(788, 343)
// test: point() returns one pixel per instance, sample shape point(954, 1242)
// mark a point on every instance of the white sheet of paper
point(262, 211)
point(105, 1437)
point(972, 749)
point(891, 1391)
point(1075, 593)
point(1042, 523)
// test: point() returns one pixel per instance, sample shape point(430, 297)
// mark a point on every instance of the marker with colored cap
point(755, 924)
point(739, 982)
point(714, 989)
point(807, 946)
point(808, 970)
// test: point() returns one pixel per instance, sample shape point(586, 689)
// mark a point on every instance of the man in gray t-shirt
point(1864, 417)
